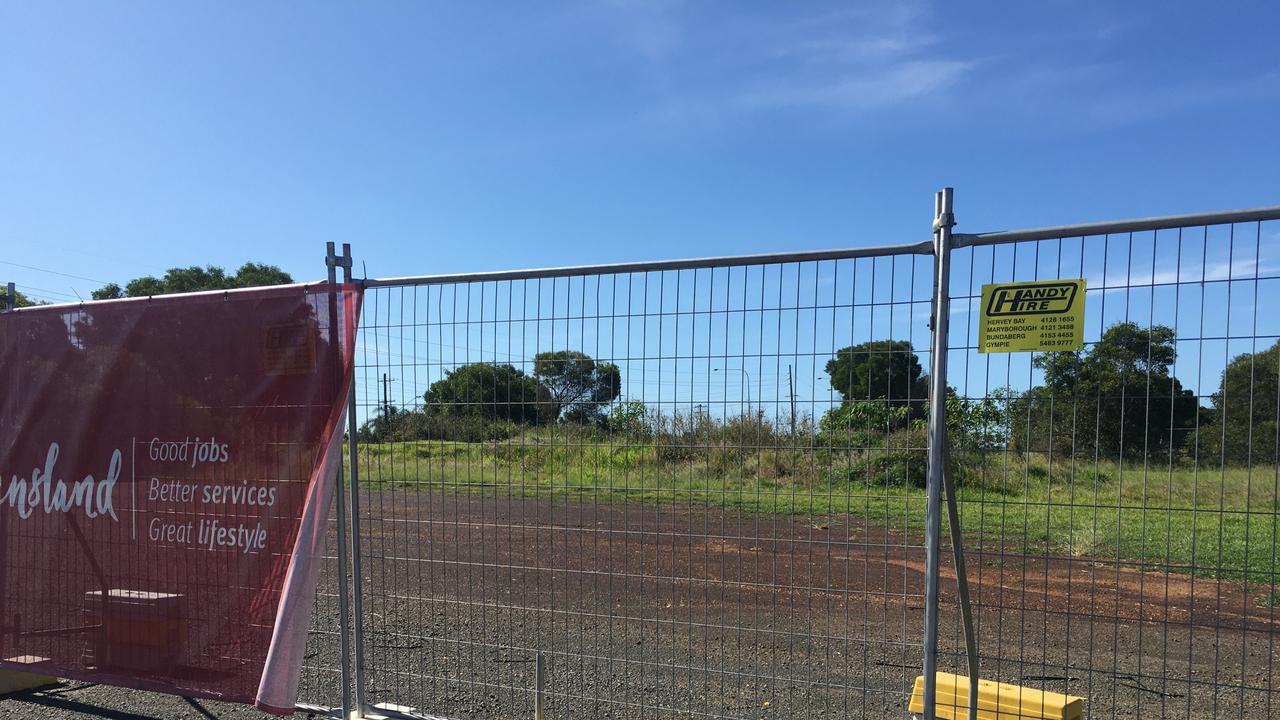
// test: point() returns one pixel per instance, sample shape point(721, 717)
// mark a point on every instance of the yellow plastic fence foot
point(12, 681)
point(996, 701)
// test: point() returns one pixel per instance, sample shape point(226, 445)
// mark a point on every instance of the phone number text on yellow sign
point(1045, 315)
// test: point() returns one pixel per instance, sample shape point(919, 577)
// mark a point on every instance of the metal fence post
point(539, 686)
point(356, 573)
point(344, 630)
point(943, 220)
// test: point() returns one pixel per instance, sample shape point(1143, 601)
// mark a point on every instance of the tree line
point(478, 401)
point(181, 280)
point(1118, 399)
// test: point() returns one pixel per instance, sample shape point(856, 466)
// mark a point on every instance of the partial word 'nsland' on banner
point(166, 470)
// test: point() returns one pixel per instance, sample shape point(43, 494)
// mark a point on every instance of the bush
point(900, 458)
point(862, 423)
point(632, 419)
point(696, 435)
point(408, 425)
point(979, 424)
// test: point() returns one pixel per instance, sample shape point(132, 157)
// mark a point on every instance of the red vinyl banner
point(166, 470)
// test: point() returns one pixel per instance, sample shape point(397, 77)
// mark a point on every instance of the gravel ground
point(643, 612)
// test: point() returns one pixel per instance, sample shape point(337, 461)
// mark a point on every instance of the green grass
point(1207, 522)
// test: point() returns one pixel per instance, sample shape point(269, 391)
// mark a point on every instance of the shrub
point(862, 423)
point(900, 458)
point(632, 419)
point(408, 425)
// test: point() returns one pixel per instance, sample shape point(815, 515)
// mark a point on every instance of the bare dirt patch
point(699, 612)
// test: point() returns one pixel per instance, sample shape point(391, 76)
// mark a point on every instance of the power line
point(54, 272)
point(46, 291)
point(43, 298)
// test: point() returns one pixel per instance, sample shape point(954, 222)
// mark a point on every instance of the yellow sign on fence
point(1045, 315)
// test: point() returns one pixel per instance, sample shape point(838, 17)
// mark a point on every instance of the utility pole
point(791, 387)
point(386, 395)
point(11, 299)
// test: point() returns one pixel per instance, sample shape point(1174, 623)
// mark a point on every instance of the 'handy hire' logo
point(1040, 299)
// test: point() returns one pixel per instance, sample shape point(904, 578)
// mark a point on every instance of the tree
point(253, 274)
point(380, 427)
point(1116, 400)
point(877, 370)
point(489, 391)
point(20, 300)
point(574, 386)
point(1245, 414)
point(194, 279)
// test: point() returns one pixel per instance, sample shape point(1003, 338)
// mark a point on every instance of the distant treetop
point(20, 300)
point(194, 279)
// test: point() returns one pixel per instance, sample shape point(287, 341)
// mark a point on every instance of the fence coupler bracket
point(338, 261)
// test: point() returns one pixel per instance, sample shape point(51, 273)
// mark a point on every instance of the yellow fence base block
point(996, 701)
point(12, 681)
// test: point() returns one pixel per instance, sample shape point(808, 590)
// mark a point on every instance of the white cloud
point(702, 65)
point(858, 91)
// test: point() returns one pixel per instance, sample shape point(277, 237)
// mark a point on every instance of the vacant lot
point(1211, 522)
point(732, 582)
point(691, 609)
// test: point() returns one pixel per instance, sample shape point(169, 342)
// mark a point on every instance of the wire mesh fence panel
point(1121, 501)
point(691, 492)
point(320, 680)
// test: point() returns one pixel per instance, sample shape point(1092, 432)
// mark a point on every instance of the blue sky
point(441, 137)
point(448, 137)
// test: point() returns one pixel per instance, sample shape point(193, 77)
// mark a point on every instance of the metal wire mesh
point(696, 489)
point(1121, 502)
point(654, 482)
point(321, 677)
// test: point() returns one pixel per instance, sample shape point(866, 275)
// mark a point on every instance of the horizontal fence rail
point(923, 248)
point(1119, 227)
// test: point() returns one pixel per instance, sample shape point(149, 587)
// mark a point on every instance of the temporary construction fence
point(715, 487)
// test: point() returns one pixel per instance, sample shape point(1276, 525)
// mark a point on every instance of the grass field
point(1211, 522)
